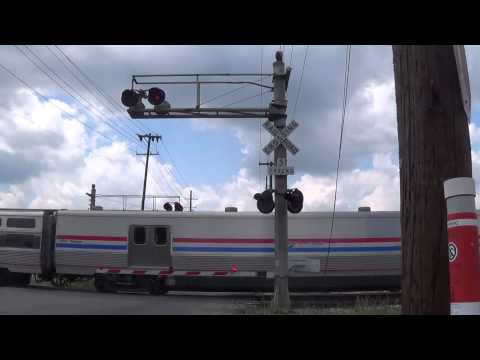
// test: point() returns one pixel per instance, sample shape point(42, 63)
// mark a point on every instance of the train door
point(149, 246)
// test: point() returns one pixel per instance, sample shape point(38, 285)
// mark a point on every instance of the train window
point(160, 236)
point(139, 235)
point(28, 241)
point(21, 222)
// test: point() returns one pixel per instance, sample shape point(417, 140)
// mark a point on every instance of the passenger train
point(163, 251)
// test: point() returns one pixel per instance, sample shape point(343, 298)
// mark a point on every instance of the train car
point(26, 245)
point(160, 251)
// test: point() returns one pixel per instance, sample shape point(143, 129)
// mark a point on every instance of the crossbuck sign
point(280, 137)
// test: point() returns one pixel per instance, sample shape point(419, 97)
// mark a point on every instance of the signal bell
point(294, 201)
point(265, 202)
point(130, 97)
point(156, 96)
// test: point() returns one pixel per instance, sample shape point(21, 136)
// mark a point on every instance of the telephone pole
point(433, 109)
point(150, 137)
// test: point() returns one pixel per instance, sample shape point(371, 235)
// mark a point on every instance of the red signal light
point(156, 96)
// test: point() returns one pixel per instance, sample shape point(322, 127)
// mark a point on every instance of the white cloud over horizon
point(50, 160)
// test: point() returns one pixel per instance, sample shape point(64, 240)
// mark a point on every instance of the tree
point(434, 145)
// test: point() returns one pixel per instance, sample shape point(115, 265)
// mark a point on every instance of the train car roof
point(221, 214)
point(20, 213)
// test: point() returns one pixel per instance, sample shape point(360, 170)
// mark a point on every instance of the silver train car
point(162, 251)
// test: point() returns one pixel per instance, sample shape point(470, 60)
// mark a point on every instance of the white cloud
point(377, 187)
point(71, 162)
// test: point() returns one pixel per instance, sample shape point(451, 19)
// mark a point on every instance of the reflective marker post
point(463, 246)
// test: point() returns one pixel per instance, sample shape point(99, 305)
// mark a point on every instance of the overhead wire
point(107, 105)
point(231, 91)
point(177, 169)
point(83, 107)
point(133, 136)
point(260, 121)
point(122, 133)
point(300, 82)
point(344, 110)
point(245, 99)
point(66, 113)
point(95, 86)
point(46, 99)
point(106, 96)
point(127, 128)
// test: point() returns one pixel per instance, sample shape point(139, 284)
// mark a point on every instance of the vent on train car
point(364, 208)
point(231, 209)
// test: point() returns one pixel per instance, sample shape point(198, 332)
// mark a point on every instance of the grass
point(362, 306)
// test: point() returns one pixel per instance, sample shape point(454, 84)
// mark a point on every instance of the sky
point(64, 128)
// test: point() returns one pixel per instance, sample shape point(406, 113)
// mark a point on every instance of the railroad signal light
point(294, 201)
point(130, 98)
point(167, 206)
point(178, 206)
point(156, 96)
point(265, 202)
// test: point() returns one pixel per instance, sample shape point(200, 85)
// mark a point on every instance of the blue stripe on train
point(92, 246)
point(299, 249)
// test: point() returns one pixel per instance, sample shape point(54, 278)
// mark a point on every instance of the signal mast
point(276, 113)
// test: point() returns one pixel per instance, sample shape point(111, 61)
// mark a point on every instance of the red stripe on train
point(91, 237)
point(299, 241)
point(220, 273)
point(462, 215)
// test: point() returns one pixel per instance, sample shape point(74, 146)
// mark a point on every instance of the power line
point(68, 92)
point(301, 81)
point(260, 121)
point(70, 116)
point(108, 123)
point(177, 169)
point(102, 93)
point(95, 86)
point(106, 105)
point(245, 99)
point(231, 91)
point(344, 109)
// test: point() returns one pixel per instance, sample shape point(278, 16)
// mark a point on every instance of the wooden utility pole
point(150, 137)
point(433, 109)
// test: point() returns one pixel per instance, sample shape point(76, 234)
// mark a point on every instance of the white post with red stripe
point(463, 246)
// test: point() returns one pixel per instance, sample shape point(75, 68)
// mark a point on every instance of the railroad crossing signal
point(280, 137)
point(281, 168)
